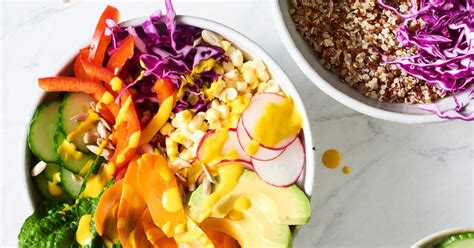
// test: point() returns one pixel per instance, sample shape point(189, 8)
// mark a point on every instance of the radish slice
point(263, 154)
point(285, 169)
point(251, 116)
point(232, 142)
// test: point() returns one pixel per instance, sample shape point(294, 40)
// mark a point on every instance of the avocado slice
point(281, 205)
point(251, 230)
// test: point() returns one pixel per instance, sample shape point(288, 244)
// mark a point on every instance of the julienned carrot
point(164, 88)
point(71, 84)
point(100, 41)
point(123, 52)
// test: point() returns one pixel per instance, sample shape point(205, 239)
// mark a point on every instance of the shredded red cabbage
point(167, 50)
point(445, 48)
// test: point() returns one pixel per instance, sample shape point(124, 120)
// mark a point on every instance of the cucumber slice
point(42, 129)
point(71, 182)
point(463, 240)
point(42, 186)
point(50, 171)
point(72, 105)
point(65, 151)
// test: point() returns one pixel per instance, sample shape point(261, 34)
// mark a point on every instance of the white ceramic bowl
point(435, 238)
point(251, 50)
point(331, 85)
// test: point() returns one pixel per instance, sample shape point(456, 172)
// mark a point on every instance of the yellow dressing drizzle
point(107, 98)
point(69, 150)
point(171, 200)
point(94, 185)
point(242, 204)
point(84, 125)
point(86, 167)
point(269, 130)
point(346, 169)
point(83, 233)
point(54, 189)
point(252, 147)
point(229, 175)
point(122, 116)
point(331, 158)
point(213, 146)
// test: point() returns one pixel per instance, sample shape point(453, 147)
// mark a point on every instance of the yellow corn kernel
point(227, 66)
point(236, 57)
point(212, 114)
point(204, 127)
point(249, 76)
point(116, 84)
point(215, 124)
point(184, 116)
point(231, 94)
point(232, 75)
point(224, 111)
point(263, 75)
point(218, 69)
point(186, 155)
point(167, 129)
point(225, 45)
point(241, 86)
point(177, 136)
point(195, 123)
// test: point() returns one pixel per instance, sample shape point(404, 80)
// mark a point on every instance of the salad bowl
point(330, 84)
point(250, 51)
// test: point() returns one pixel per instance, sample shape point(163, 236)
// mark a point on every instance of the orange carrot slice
point(131, 205)
point(161, 194)
point(105, 216)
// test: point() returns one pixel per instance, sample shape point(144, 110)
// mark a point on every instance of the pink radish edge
point(260, 165)
point(263, 154)
point(257, 98)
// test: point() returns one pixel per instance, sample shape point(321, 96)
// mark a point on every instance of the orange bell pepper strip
point(100, 41)
point(163, 89)
point(105, 216)
point(131, 205)
point(161, 194)
point(127, 128)
point(157, 122)
point(123, 53)
point(78, 68)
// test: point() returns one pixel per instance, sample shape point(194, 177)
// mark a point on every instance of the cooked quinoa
point(348, 37)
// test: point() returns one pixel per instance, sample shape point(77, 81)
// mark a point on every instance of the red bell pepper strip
point(78, 68)
point(100, 41)
point(71, 84)
point(123, 53)
point(96, 71)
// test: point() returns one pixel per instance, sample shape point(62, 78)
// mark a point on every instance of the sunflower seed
point(80, 117)
point(207, 187)
point(192, 187)
point(106, 153)
point(77, 179)
point(93, 107)
point(211, 38)
point(90, 138)
point(181, 177)
point(181, 163)
point(106, 124)
point(102, 130)
point(208, 174)
point(197, 41)
point(38, 168)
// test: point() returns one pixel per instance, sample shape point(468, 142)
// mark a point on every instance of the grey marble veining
point(406, 181)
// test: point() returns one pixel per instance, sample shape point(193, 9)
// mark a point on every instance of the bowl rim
point(242, 42)
point(438, 236)
point(330, 90)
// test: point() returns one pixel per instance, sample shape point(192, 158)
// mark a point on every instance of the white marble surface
point(406, 181)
